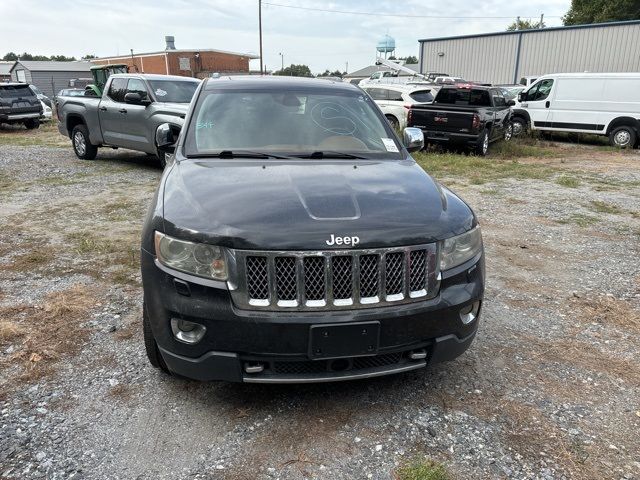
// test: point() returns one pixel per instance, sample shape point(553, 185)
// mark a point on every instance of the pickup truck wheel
point(622, 137)
point(32, 123)
point(81, 145)
point(508, 132)
point(519, 126)
point(393, 121)
point(483, 143)
point(150, 345)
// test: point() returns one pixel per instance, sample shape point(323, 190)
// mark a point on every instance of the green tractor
point(100, 74)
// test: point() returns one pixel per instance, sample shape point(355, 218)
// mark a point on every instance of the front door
point(537, 103)
point(501, 113)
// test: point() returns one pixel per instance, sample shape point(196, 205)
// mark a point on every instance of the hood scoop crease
point(330, 201)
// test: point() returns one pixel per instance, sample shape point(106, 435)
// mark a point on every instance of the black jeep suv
point(294, 239)
point(18, 104)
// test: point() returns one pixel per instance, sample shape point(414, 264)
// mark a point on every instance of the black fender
point(72, 120)
point(522, 113)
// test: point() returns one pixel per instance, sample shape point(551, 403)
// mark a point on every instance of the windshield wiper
point(236, 154)
point(330, 154)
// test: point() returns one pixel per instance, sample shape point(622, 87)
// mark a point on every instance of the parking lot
point(549, 389)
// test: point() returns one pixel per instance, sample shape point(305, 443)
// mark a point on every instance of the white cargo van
point(599, 103)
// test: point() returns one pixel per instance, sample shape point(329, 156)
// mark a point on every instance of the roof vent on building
point(171, 42)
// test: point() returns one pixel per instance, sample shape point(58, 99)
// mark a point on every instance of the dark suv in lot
point(293, 238)
point(18, 104)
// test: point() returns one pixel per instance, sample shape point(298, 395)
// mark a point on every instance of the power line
point(375, 14)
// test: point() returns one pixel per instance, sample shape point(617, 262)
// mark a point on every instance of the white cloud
point(319, 39)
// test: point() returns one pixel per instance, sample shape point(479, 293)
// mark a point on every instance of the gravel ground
point(550, 388)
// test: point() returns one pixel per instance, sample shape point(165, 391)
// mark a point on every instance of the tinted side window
point(377, 93)
point(541, 91)
point(422, 96)
point(136, 85)
point(118, 89)
point(395, 96)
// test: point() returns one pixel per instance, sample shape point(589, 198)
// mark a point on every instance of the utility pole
point(517, 27)
point(542, 20)
point(282, 61)
point(346, 67)
point(260, 28)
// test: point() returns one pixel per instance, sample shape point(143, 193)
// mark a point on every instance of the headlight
point(196, 258)
point(457, 250)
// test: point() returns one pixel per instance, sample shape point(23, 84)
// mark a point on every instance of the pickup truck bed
point(473, 116)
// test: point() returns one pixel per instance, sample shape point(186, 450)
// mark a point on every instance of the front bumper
point(411, 335)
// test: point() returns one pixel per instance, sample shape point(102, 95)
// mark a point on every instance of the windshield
point(290, 123)
point(174, 91)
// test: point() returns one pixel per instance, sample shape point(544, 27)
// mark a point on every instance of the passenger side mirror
point(135, 98)
point(166, 137)
point(521, 96)
point(413, 139)
point(511, 103)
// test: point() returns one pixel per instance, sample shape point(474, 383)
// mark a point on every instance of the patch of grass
point(86, 242)
point(491, 191)
point(46, 136)
point(48, 332)
point(518, 149)
point(479, 169)
point(570, 182)
point(580, 219)
point(10, 330)
point(604, 207)
point(35, 258)
point(422, 469)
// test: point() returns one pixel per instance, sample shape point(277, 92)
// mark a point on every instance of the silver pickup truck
point(130, 110)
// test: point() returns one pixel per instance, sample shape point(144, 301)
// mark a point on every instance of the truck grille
point(334, 280)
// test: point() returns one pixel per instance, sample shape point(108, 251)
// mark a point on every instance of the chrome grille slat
point(334, 279)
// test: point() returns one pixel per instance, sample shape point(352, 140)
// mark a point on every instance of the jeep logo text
point(349, 241)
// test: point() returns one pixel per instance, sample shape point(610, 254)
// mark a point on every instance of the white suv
point(396, 100)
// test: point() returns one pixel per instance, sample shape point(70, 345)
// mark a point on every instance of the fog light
point(469, 313)
point(186, 331)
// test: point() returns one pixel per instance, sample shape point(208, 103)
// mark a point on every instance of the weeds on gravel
point(478, 170)
point(42, 334)
point(609, 310)
point(604, 207)
point(46, 136)
point(579, 219)
point(35, 258)
point(422, 469)
point(570, 182)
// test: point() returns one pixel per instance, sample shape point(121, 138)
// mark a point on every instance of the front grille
point(308, 367)
point(334, 280)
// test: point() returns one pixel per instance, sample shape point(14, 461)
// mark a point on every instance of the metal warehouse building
point(49, 77)
point(505, 57)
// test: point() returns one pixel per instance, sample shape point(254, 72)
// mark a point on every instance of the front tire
point(32, 123)
point(82, 147)
point(508, 132)
point(622, 137)
point(482, 147)
point(519, 126)
point(150, 345)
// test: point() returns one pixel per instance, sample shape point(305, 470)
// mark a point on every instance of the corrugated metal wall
point(612, 48)
point(52, 82)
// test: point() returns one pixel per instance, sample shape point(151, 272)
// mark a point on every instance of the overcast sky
point(319, 39)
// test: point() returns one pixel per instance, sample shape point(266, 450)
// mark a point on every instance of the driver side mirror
point(521, 96)
point(413, 139)
point(511, 103)
point(135, 98)
point(166, 137)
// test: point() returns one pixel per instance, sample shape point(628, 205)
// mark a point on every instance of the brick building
point(188, 63)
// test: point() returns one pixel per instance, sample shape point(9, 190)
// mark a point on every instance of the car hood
point(289, 205)
point(178, 109)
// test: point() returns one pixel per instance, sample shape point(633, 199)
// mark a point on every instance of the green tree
point(295, 71)
point(10, 57)
point(410, 59)
point(526, 25)
point(88, 57)
point(600, 11)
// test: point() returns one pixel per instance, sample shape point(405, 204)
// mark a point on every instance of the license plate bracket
point(344, 340)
